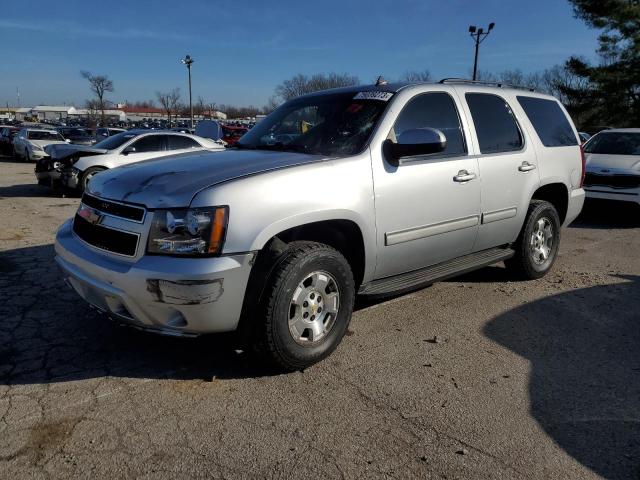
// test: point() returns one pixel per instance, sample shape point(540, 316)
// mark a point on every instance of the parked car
point(7, 134)
point(29, 143)
point(584, 137)
point(106, 132)
point(75, 165)
point(77, 135)
point(613, 165)
point(231, 134)
point(387, 189)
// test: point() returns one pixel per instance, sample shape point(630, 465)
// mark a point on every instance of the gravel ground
point(480, 377)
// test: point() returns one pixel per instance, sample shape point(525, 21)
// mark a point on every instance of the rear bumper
point(608, 193)
point(576, 202)
point(168, 295)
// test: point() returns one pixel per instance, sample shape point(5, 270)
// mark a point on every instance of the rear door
point(508, 168)
point(181, 144)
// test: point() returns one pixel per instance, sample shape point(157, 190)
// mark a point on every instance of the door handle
point(526, 167)
point(464, 176)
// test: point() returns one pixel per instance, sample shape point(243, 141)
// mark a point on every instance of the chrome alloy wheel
point(314, 308)
point(541, 242)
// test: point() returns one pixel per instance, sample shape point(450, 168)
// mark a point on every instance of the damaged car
point(73, 166)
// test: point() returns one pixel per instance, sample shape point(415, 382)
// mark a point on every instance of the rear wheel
point(538, 243)
point(307, 305)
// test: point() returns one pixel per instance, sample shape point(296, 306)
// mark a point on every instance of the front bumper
point(608, 193)
point(168, 295)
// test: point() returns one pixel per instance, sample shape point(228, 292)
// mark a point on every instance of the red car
point(231, 134)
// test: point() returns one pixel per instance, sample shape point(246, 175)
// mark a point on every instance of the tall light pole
point(478, 34)
point(187, 60)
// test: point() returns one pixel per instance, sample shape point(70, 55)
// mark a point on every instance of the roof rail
point(483, 82)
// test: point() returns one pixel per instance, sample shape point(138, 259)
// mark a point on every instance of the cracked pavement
point(479, 377)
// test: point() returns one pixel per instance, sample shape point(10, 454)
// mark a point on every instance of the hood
point(596, 162)
point(172, 182)
point(61, 151)
point(44, 143)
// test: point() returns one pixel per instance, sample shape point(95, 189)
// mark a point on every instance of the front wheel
point(307, 305)
point(538, 243)
point(86, 176)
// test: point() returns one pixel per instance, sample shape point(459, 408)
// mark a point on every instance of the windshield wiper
point(289, 147)
point(242, 146)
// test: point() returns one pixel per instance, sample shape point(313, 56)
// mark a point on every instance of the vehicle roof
point(621, 130)
point(396, 87)
point(33, 129)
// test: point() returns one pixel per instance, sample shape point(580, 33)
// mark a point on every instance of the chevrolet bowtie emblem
point(89, 214)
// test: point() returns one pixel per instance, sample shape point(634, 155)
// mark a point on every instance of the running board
point(434, 273)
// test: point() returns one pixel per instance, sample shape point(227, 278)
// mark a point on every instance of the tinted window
point(495, 124)
point(614, 143)
point(115, 141)
point(42, 135)
point(549, 121)
point(433, 110)
point(178, 142)
point(150, 143)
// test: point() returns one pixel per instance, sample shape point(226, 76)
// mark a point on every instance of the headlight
point(197, 231)
point(36, 147)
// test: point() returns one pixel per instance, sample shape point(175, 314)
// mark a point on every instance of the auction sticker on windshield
point(383, 96)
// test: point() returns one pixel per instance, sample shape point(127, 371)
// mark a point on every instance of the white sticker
point(382, 96)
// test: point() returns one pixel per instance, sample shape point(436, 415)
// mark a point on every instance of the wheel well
point(557, 195)
point(343, 235)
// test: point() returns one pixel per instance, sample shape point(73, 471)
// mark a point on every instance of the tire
point(290, 336)
point(86, 176)
point(538, 243)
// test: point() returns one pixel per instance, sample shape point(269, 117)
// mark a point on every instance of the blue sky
point(243, 48)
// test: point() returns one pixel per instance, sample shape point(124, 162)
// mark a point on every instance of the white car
point(29, 143)
point(77, 164)
point(613, 165)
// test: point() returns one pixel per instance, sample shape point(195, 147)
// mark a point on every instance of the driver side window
point(432, 110)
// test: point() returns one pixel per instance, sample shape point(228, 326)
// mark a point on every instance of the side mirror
point(417, 141)
point(129, 150)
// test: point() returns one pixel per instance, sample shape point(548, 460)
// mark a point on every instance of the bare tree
point(169, 101)
point(413, 76)
point(271, 105)
point(302, 84)
point(93, 112)
point(99, 85)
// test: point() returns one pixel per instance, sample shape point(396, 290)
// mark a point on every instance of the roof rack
point(483, 82)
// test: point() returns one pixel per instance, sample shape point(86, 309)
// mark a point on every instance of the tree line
point(606, 92)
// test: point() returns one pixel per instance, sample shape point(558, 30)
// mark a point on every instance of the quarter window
point(495, 124)
point(549, 121)
point(432, 110)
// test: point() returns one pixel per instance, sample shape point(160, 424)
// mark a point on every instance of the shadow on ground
point(584, 350)
point(608, 214)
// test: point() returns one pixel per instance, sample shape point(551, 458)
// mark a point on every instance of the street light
point(478, 34)
point(187, 60)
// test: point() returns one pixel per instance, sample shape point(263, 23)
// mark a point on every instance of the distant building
point(50, 112)
point(23, 114)
point(137, 114)
point(214, 114)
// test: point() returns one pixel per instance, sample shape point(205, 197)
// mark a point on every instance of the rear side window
point(549, 121)
point(495, 124)
point(433, 110)
point(178, 142)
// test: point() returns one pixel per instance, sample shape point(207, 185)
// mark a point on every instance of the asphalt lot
point(524, 379)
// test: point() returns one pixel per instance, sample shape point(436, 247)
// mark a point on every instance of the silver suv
point(370, 190)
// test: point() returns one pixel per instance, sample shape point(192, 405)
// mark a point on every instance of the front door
point(428, 207)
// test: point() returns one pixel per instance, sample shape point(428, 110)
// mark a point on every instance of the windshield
point(614, 143)
point(39, 135)
point(330, 124)
point(115, 141)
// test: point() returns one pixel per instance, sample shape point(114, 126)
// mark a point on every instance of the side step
point(428, 275)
